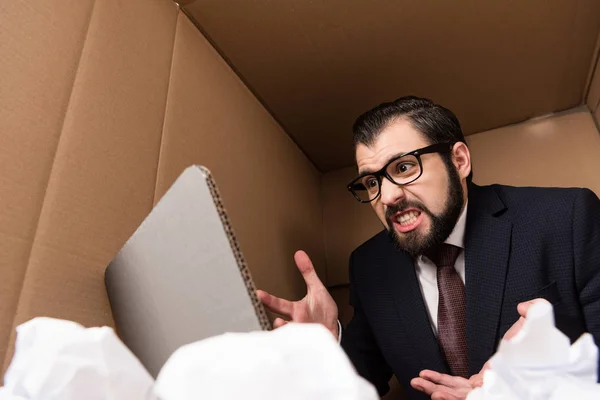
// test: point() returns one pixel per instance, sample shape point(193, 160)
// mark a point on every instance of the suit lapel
point(411, 309)
point(487, 248)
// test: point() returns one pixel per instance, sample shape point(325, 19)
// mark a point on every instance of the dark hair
point(436, 123)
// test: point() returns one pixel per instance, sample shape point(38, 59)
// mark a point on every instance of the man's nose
point(391, 193)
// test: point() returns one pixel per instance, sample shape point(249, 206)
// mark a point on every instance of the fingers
point(445, 396)
point(424, 385)
point(278, 323)
point(442, 386)
point(444, 380)
point(485, 367)
point(275, 304)
point(522, 308)
point(476, 380)
point(514, 329)
point(438, 392)
point(307, 270)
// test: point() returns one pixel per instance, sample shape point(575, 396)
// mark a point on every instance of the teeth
point(408, 218)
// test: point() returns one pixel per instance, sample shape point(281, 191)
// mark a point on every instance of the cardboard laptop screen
point(181, 277)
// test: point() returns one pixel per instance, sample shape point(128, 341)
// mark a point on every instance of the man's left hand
point(447, 387)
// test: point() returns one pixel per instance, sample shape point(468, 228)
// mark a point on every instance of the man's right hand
point(316, 307)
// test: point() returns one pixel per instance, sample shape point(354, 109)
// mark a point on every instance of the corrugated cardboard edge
point(237, 252)
point(592, 86)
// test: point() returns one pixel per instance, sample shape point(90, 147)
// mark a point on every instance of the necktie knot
point(444, 255)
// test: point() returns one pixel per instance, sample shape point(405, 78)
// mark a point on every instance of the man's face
point(422, 214)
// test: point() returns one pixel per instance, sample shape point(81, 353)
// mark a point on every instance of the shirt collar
point(457, 237)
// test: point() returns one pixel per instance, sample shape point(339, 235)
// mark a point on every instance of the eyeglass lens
point(402, 171)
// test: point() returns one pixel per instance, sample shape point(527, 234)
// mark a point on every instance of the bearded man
point(456, 263)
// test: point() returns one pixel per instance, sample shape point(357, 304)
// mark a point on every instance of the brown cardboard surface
point(584, 36)
point(101, 182)
point(39, 52)
point(15, 253)
point(593, 99)
point(536, 150)
point(270, 189)
point(593, 95)
point(318, 64)
point(84, 156)
point(181, 276)
point(561, 150)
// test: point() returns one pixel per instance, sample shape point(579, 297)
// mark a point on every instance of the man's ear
point(461, 157)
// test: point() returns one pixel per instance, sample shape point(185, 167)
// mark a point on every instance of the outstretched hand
point(316, 307)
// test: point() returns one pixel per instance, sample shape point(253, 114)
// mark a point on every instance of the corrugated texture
point(593, 99)
point(561, 150)
point(318, 64)
point(593, 95)
point(102, 179)
point(269, 188)
point(40, 46)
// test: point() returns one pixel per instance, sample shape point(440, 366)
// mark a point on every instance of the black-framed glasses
point(401, 170)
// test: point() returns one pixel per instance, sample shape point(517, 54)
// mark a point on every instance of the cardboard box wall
point(593, 95)
point(493, 63)
point(103, 103)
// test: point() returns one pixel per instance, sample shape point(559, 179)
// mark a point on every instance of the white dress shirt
point(427, 271)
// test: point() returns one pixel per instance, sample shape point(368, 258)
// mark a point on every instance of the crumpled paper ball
point(539, 363)
point(61, 360)
point(296, 361)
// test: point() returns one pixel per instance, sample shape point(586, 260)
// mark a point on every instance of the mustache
point(404, 205)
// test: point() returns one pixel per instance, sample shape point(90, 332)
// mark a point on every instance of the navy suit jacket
point(520, 244)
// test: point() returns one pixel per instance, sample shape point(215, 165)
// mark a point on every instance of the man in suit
point(456, 264)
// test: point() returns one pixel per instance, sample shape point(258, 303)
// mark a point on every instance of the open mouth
point(407, 220)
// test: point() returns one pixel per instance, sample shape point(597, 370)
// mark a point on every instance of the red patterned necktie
point(452, 310)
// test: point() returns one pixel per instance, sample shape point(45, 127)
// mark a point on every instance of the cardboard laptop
point(181, 277)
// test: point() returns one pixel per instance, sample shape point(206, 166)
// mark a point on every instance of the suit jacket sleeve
point(360, 345)
point(586, 252)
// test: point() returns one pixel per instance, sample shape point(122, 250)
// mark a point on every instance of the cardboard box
point(182, 277)
point(105, 103)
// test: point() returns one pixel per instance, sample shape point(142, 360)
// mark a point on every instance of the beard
point(415, 243)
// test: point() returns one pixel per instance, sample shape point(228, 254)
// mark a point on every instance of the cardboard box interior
point(492, 63)
point(103, 105)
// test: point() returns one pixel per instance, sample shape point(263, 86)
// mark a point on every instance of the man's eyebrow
point(371, 172)
point(366, 172)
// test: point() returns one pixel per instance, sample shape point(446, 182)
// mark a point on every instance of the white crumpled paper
point(61, 360)
point(297, 361)
point(540, 363)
